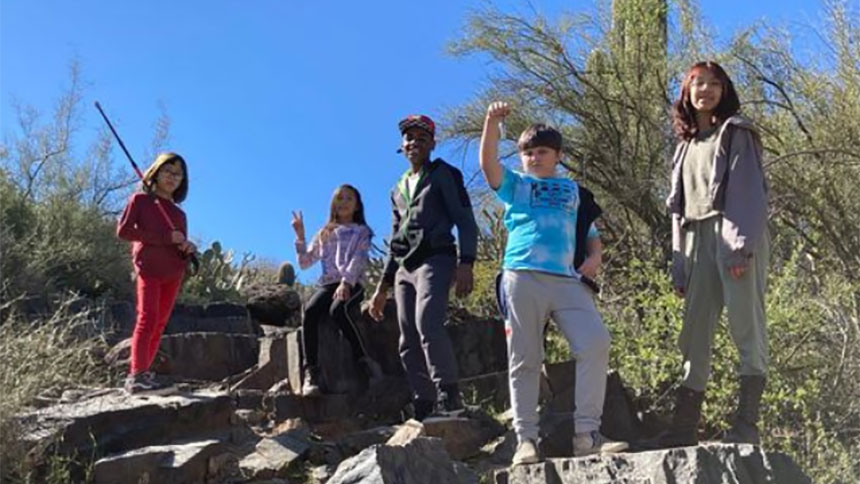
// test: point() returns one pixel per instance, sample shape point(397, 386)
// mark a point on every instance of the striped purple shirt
point(344, 254)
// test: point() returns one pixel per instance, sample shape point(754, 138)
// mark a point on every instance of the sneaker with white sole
point(527, 453)
point(139, 383)
point(587, 443)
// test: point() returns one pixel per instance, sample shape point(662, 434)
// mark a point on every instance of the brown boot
point(745, 426)
point(684, 428)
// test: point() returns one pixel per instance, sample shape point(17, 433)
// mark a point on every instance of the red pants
point(155, 298)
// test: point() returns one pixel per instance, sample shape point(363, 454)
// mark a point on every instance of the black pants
point(322, 305)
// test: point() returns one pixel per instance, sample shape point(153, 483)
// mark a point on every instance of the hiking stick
point(158, 204)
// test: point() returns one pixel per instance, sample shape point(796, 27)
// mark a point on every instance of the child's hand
point(589, 267)
point(298, 224)
point(342, 292)
point(464, 280)
point(187, 247)
point(377, 305)
point(497, 110)
point(177, 237)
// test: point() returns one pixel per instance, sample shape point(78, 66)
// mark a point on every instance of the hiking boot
point(311, 382)
point(450, 403)
point(587, 443)
point(683, 431)
point(745, 426)
point(527, 453)
point(139, 383)
point(371, 369)
point(422, 408)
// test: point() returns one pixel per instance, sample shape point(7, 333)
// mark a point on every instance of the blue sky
point(273, 103)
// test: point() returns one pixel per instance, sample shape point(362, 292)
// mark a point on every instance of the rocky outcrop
point(115, 423)
point(418, 461)
point(703, 464)
point(274, 304)
point(212, 318)
point(196, 356)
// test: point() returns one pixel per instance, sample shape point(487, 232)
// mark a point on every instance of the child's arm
point(594, 248)
point(459, 208)
point(377, 302)
point(127, 228)
point(489, 151)
point(355, 267)
point(306, 256)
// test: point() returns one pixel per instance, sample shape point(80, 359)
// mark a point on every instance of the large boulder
point(704, 464)
point(274, 304)
point(114, 423)
point(420, 461)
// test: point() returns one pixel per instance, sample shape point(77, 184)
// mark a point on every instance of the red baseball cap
point(417, 121)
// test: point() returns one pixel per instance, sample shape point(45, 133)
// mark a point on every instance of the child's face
point(417, 144)
point(345, 204)
point(169, 177)
point(705, 91)
point(540, 161)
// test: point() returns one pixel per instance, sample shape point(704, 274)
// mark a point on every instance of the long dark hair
point(357, 216)
point(167, 158)
point(683, 112)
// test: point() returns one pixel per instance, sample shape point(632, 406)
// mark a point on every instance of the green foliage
point(607, 80)
point(219, 277)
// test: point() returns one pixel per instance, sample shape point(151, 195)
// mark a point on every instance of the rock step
point(115, 422)
point(703, 464)
point(193, 462)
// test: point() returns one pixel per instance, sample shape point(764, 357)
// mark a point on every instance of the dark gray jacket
point(421, 226)
point(738, 190)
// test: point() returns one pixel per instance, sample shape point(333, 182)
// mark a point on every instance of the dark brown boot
point(685, 422)
point(745, 426)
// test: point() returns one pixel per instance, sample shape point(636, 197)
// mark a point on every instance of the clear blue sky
point(273, 103)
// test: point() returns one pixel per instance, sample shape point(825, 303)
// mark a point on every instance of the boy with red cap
point(428, 201)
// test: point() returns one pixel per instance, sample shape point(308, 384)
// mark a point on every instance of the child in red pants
point(159, 256)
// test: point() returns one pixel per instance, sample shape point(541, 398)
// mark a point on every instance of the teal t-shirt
point(540, 215)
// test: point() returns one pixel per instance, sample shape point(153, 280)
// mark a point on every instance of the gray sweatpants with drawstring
point(709, 287)
point(530, 298)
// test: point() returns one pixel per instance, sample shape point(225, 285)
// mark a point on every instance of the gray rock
point(381, 403)
point(352, 444)
point(463, 437)
point(274, 304)
point(181, 355)
point(704, 464)
point(115, 423)
point(179, 463)
point(272, 457)
point(423, 460)
point(271, 365)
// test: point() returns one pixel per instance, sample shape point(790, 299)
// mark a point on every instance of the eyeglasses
point(174, 174)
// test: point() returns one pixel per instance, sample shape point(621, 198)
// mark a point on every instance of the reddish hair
point(683, 112)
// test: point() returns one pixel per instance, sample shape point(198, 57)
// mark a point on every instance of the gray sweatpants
point(709, 287)
point(425, 347)
point(531, 297)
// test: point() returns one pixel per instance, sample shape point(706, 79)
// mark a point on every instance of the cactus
point(286, 274)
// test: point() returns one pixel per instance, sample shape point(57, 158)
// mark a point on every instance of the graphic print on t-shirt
point(554, 194)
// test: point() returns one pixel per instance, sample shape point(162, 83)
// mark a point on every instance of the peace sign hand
point(298, 224)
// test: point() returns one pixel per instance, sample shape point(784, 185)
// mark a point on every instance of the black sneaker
point(450, 403)
point(311, 384)
point(139, 383)
point(422, 408)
